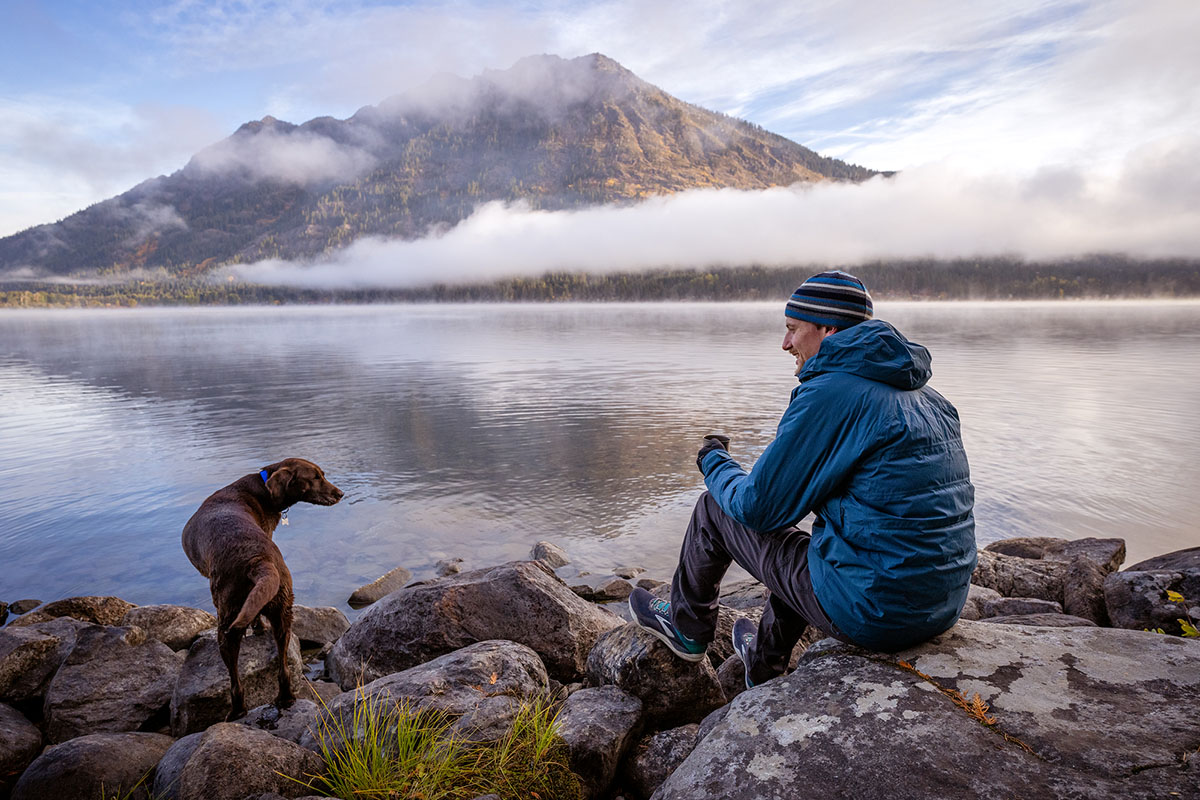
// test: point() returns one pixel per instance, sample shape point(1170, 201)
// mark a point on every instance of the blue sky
point(95, 97)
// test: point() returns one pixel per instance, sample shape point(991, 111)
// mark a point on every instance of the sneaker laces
point(661, 607)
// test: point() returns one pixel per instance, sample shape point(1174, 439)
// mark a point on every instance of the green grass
point(389, 751)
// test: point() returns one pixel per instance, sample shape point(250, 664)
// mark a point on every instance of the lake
point(473, 431)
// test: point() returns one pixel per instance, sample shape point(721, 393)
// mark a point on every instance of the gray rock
point(628, 572)
point(1090, 703)
point(658, 755)
point(324, 691)
point(550, 554)
point(201, 696)
point(1013, 576)
point(448, 566)
point(744, 594)
point(611, 589)
point(1108, 554)
point(290, 723)
point(379, 588)
point(114, 680)
point(1003, 606)
point(977, 599)
point(1188, 558)
point(110, 762)
point(598, 726)
point(480, 687)
point(175, 626)
point(166, 775)
point(732, 676)
point(1083, 590)
point(231, 761)
point(650, 584)
point(20, 742)
point(522, 601)
point(318, 626)
point(27, 661)
point(1138, 600)
point(1050, 620)
point(672, 691)
point(97, 610)
point(24, 606)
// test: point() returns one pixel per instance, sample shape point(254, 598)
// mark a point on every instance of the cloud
point(299, 157)
point(1150, 209)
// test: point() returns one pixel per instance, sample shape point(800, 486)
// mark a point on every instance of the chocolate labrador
point(229, 540)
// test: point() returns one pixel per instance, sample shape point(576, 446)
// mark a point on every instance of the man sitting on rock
point(877, 456)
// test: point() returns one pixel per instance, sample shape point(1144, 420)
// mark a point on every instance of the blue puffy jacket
point(878, 456)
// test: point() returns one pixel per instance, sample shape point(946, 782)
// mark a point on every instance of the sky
point(1037, 128)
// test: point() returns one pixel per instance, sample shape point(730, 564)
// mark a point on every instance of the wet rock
point(97, 610)
point(231, 761)
point(1013, 576)
point(114, 680)
point(611, 589)
point(550, 554)
point(598, 726)
point(628, 572)
point(522, 601)
point(977, 599)
point(1139, 601)
point(1179, 560)
point(672, 691)
point(175, 626)
point(1108, 554)
point(379, 588)
point(27, 661)
point(24, 606)
point(290, 723)
point(1050, 620)
point(448, 566)
point(481, 686)
point(1091, 703)
point(318, 626)
point(201, 696)
point(20, 742)
point(84, 767)
point(656, 756)
point(1002, 606)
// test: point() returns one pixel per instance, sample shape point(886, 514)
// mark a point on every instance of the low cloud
point(1151, 209)
point(299, 157)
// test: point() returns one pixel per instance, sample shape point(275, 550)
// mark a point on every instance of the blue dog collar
point(263, 474)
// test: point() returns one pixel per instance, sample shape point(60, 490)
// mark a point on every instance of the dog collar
point(263, 474)
point(283, 520)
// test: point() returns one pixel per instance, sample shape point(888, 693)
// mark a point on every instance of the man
point(877, 456)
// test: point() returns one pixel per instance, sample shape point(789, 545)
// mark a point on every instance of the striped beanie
point(833, 298)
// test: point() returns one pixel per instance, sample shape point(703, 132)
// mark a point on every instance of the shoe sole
point(662, 637)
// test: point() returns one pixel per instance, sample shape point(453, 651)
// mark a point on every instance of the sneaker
point(744, 634)
point(654, 615)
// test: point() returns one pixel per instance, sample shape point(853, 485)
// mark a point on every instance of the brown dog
point(229, 540)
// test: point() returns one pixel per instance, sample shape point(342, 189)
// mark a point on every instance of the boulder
point(480, 687)
point(1139, 601)
point(1108, 554)
point(598, 726)
point(24, 606)
point(97, 610)
point(522, 601)
point(1003, 606)
point(1013, 576)
point(1083, 590)
point(201, 695)
point(1089, 704)
point(611, 589)
point(977, 599)
point(231, 761)
point(672, 691)
point(448, 566)
point(656, 756)
point(175, 626)
point(27, 661)
point(290, 723)
point(166, 775)
point(318, 626)
point(20, 742)
point(1188, 558)
point(1050, 620)
point(650, 584)
point(114, 680)
point(628, 572)
point(550, 554)
point(732, 676)
point(112, 763)
point(380, 587)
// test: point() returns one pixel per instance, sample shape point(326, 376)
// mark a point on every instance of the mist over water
point(474, 431)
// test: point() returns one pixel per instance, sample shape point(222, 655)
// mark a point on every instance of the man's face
point(803, 339)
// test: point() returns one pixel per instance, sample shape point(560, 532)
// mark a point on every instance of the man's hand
point(714, 441)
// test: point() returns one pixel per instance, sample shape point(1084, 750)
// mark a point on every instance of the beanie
point(833, 298)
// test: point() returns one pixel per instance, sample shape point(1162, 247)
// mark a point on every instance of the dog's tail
point(266, 586)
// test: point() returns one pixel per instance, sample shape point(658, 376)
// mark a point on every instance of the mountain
point(554, 133)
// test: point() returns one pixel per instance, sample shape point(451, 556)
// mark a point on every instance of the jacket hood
point(873, 350)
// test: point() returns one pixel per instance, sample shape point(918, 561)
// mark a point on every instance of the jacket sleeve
point(821, 437)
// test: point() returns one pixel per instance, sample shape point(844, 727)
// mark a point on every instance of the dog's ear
point(279, 483)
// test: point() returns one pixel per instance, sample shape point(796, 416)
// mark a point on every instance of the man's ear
point(279, 482)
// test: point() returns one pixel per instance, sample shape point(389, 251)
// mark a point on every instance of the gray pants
point(778, 559)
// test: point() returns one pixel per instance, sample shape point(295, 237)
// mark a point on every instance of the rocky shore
point(1067, 677)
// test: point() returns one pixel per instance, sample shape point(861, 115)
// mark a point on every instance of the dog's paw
point(237, 712)
point(285, 701)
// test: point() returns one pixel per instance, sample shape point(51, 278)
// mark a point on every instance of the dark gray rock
point(379, 588)
point(201, 696)
point(318, 626)
point(1013, 576)
point(1091, 703)
point(1139, 601)
point(732, 676)
point(1083, 590)
point(3, 612)
point(550, 554)
point(611, 589)
point(977, 599)
point(175, 626)
point(166, 774)
point(448, 566)
point(656, 756)
point(82, 768)
point(744, 594)
point(1003, 606)
point(480, 687)
point(1188, 558)
point(231, 761)
point(650, 584)
point(672, 691)
point(290, 723)
point(114, 680)
point(628, 572)
point(97, 610)
point(522, 601)
point(24, 606)
point(1050, 620)
point(20, 742)
point(1108, 554)
point(598, 726)
point(27, 661)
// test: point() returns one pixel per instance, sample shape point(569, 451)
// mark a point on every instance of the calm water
point(474, 431)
